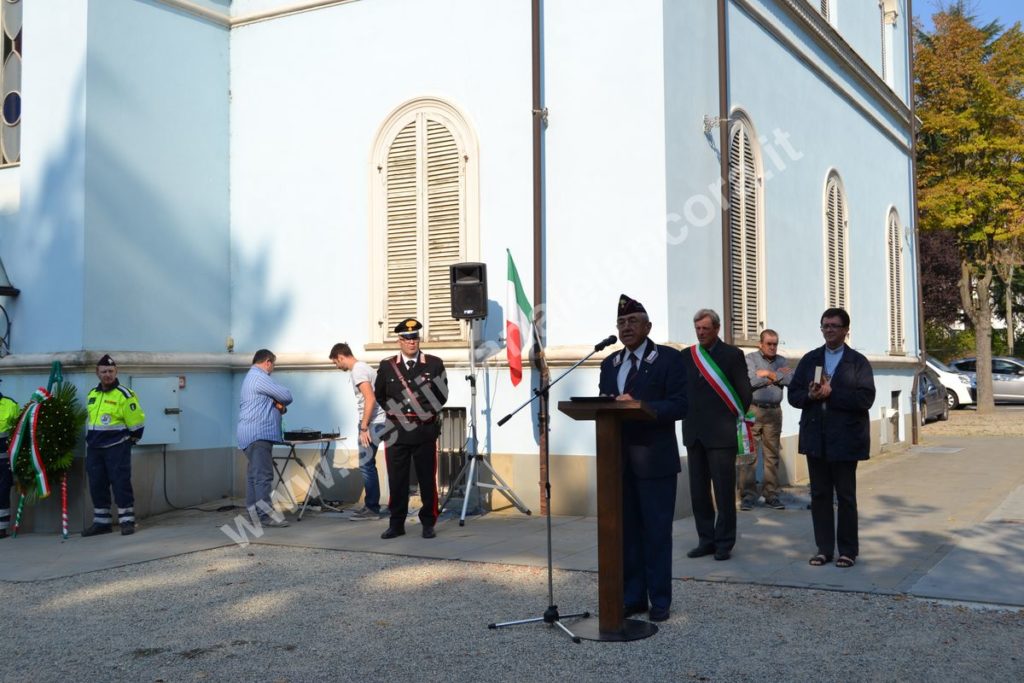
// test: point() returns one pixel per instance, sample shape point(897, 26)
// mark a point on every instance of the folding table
point(313, 489)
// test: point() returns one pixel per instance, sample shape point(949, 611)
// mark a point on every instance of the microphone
point(600, 346)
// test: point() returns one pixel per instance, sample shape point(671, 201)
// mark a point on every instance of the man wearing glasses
point(834, 386)
point(647, 372)
point(411, 388)
point(263, 401)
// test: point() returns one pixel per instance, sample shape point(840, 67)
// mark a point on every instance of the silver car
point(1007, 376)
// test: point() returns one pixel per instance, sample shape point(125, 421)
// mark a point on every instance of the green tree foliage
point(970, 99)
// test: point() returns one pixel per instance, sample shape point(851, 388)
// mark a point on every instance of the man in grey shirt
point(769, 373)
point(371, 425)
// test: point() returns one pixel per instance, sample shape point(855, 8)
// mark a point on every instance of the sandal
point(819, 560)
point(845, 562)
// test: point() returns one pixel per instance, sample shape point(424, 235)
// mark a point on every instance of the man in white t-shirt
point(371, 424)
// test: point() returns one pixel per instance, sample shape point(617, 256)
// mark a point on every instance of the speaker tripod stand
point(469, 475)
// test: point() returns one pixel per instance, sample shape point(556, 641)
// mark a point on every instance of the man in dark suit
point(710, 433)
point(411, 388)
point(834, 387)
point(645, 371)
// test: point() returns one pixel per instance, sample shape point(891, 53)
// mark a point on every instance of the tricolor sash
point(746, 449)
point(26, 432)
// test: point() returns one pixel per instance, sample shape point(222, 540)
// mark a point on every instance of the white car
point(958, 384)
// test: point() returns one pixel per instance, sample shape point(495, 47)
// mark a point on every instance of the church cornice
point(845, 57)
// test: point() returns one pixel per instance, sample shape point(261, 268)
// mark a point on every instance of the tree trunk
point(1009, 311)
point(983, 340)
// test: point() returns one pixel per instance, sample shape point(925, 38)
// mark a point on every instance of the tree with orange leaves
point(969, 83)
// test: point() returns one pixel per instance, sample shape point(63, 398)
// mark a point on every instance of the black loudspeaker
point(469, 290)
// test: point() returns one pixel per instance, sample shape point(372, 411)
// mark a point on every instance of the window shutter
point(824, 8)
point(444, 228)
point(743, 237)
point(835, 225)
point(425, 206)
point(402, 239)
point(895, 267)
point(885, 56)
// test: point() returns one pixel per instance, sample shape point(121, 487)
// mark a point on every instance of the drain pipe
point(723, 147)
point(915, 430)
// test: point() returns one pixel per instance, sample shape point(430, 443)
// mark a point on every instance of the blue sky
point(1006, 11)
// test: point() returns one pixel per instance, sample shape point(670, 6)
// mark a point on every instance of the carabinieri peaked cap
point(409, 328)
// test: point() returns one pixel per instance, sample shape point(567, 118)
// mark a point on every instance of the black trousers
point(422, 456)
point(839, 478)
point(713, 469)
point(111, 468)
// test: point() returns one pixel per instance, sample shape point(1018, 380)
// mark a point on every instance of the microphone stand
point(551, 617)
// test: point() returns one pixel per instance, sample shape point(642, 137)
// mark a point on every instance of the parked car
point(958, 384)
point(931, 397)
point(1007, 376)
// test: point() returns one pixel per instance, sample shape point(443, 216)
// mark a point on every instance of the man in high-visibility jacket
point(115, 423)
point(9, 412)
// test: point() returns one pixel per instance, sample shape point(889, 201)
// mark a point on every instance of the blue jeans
point(368, 468)
point(259, 478)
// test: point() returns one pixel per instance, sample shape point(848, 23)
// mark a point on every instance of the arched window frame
point(746, 254)
point(432, 293)
point(835, 222)
point(895, 282)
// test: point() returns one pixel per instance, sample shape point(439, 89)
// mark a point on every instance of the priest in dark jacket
point(834, 387)
point(645, 371)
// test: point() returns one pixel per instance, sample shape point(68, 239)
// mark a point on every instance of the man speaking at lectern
point(645, 371)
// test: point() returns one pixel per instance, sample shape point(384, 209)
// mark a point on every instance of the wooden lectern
point(609, 415)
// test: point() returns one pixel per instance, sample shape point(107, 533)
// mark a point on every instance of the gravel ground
point(1006, 421)
point(267, 613)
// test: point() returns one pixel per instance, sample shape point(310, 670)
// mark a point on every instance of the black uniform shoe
point(127, 528)
point(722, 555)
point(659, 614)
point(96, 530)
point(393, 532)
point(701, 551)
point(428, 532)
point(630, 610)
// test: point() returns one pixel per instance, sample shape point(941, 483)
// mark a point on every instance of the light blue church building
point(186, 181)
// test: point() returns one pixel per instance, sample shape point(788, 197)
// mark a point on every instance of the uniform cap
point(106, 361)
point(627, 306)
point(409, 328)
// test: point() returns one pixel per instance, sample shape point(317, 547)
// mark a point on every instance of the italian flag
point(518, 319)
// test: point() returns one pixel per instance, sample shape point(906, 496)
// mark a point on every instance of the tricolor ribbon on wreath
point(27, 429)
point(746, 447)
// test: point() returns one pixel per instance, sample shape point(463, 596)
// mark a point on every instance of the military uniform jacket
point(650, 448)
point(411, 398)
point(708, 420)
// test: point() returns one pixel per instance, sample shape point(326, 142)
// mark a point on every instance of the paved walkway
point(943, 521)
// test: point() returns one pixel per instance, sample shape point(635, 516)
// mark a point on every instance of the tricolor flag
point(518, 322)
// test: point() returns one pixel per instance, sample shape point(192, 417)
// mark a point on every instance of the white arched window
point(894, 269)
point(745, 250)
point(836, 222)
point(425, 217)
